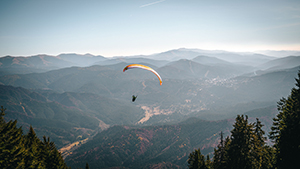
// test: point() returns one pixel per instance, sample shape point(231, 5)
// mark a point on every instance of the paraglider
point(134, 97)
point(132, 66)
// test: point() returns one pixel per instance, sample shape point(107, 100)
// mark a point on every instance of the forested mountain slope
point(65, 117)
point(150, 146)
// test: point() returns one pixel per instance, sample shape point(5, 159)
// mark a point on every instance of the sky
point(132, 27)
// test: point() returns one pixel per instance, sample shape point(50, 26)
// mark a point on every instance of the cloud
point(149, 4)
point(281, 26)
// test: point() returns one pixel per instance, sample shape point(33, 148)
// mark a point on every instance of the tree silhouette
point(239, 156)
point(26, 151)
point(196, 160)
point(286, 129)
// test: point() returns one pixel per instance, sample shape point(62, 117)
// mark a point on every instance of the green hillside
point(65, 117)
point(132, 147)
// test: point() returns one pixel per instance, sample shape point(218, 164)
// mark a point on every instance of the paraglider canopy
point(132, 66)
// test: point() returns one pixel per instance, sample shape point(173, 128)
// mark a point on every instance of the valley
point(83, 102)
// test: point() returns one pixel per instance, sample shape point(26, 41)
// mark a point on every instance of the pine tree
point(258, 142)
point(57, 160)
point(50, 156)
point(11, 146)
point(268, 157)
point(87, 166)
point(286, 129)
point(208, 163)
point(196, 160)
point(46, 147)
point(31, 143)
point(239, 156)
point(26, 151)
point(219, 154)
point(2, 113)
point(262, 154)
point(226, 149)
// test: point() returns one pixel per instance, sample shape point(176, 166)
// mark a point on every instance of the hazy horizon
point(272, 53)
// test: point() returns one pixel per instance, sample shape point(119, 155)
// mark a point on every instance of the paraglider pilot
point(134, 97)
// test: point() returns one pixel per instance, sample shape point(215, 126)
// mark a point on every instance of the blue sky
point(132, 27)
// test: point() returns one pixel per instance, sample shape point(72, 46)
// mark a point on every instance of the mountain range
point(83, 102)
point(43, 63)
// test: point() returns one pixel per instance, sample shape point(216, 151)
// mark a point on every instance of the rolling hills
point(65, 117)
point(151, 146)
point(188, 87)
point(43, 63)
point(87, 99)
point(129, 147)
